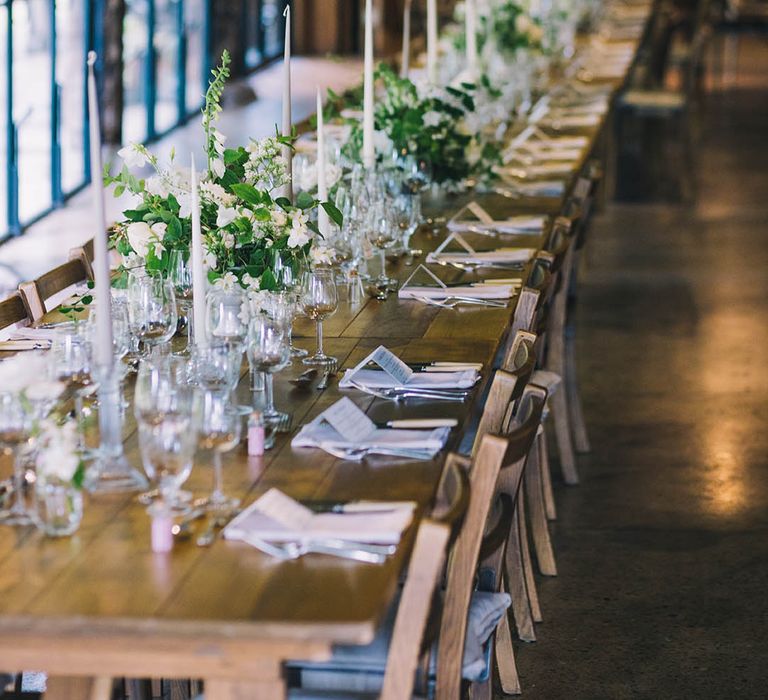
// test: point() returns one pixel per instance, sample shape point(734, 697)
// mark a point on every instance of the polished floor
point(663, 549)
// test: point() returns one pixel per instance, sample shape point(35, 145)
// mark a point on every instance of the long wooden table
point(101, 604)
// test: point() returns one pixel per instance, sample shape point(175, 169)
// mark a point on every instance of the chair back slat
point(462, 567)
point(424, 571)
point(85, 254)
point(12, 311)
point(35, 294)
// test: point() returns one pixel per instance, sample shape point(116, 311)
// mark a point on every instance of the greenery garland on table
point(435, 125)
point(243, 220)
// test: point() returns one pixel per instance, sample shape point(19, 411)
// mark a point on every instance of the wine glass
point(406, 214)
point(219, 427)
point(286, 271)
point(162, 386)
point(269, 352)
point(318, 300)
point(152, 309)
point(167, 446)
point(382, 233)
point(71, 365)
point(181, 278)
point(13, 434)
point(216, 367)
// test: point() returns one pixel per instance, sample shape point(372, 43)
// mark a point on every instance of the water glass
point(152, 309)
point(14, 431)
point(269, 352)
point(181, 278)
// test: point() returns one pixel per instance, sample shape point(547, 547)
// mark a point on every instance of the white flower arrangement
point(58, 458)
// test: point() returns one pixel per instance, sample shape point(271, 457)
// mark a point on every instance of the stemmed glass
point(406, 214)
point(219, 427)
point(226, 316)
point(181, 277)
point(382, 233)
point(71, 364)
point(167, 445)
point(13, 433)
point(288, 278)
point(152, 309)
point(269, 352)
point(318, 300)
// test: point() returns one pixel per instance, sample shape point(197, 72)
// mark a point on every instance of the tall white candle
point(432, 41)
point(405, 63)
point(287, 153)
point(323, 222)
point(471, 35)
point(102, 280)
point(369, 155)
point(198, 273)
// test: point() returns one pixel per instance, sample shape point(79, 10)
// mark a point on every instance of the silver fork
point(330, 370)
point(454, 301)
point(357, 454)
point(357, 551)
point(403, 393)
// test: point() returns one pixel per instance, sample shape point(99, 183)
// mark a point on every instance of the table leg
point(233, 690)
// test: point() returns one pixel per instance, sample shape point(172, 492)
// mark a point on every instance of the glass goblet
point(13, 434)
point(219, 427)
point(319, 300)
point(181, 277)
point(152, 309)
point(269, 352)
point(226, 315)
point(71, 365)
point(382, 233)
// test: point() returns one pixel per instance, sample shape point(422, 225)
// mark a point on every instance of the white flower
point(144, 237)
point(58, 456)
point(432, 118)
point(252, 284)
point(44, 390)
point(213, 192)
point(332, 174)
point(279, 217)
point(217, 167)
point(225, 216)
point(228, 282)
point(185, 205)
point(382, 143)
point(157, 185)
point(228, 240)
point(299, 237)
point(20, 372)
point(218, 142)
point(134, 155)
point(321, 255)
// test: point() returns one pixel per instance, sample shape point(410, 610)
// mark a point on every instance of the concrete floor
point(663, 549)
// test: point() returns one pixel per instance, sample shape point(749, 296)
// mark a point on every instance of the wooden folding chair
point(85, 254)
point(35, 294)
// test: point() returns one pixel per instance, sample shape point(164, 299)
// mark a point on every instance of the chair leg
point(505, 660)
point(525, 552)
point(559, 411)
point(539, 525)
point(573, 397)
point(140, 689)
point(514, 576)
point(546, 477)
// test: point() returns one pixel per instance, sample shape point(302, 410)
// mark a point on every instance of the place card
point(348, 420)
point(387, 361)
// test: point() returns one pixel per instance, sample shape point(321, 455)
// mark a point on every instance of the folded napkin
point(378, 379)
point(543, 152)
point(425, 444)
point(572, 120)
point(20, 345)
point(39, 334)
point(514, 224)
point(485, 613)
point(276, 517)
point(542, 188)
point(491, 257)
point(474, 291)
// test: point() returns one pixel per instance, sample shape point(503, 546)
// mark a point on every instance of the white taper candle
point(199, 285)
point(432, 41)
point(287, 119)
point(323, 222)
point(471, 36)
point(369, 154)
point(405, 62)
point(102, 279)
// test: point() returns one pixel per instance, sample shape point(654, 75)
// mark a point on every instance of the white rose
point(228, 240)
point(140, 236)
point(226, 215)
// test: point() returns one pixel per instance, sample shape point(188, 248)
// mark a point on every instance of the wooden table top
point(106, 578)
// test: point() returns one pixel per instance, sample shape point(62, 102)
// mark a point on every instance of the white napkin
point(29, 333)
point(541, 188)
point(20, 345)
point(475, 291)
point(491, 257)
point(321, 435)
point(278, 518)
point(378, 379)
point(573, 120)
point(514, 224)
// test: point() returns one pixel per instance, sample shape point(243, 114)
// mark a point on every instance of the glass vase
point(59, 507)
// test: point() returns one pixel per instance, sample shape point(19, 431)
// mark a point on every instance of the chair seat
point(654, 100)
